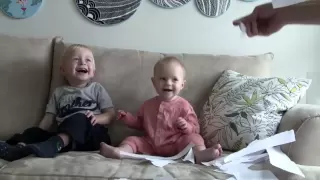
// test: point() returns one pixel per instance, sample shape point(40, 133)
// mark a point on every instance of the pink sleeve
point(134, 122)
point(192, 119)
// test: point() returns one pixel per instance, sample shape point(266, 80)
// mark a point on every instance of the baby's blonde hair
point(167, 60)
point(71, 49)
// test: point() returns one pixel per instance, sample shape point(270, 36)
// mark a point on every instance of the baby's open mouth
point(167, 90)
point(82, 70)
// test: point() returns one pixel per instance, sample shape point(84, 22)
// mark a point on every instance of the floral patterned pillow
point(242, 109)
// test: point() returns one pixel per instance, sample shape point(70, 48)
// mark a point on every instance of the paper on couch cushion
point(246, 159)
point(282, 161)
point(258, 145)
point(238, 163)
point(161, 162)
point(158, 160)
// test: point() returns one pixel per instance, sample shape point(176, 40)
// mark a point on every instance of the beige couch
point(29, 72)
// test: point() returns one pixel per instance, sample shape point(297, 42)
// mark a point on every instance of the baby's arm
point(131, 121)
point(51, 111)
point(47, 121)
point(191, 119)
point(106, 106)
point(106, 117)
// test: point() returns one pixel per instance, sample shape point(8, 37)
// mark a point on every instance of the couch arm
point(305, 121)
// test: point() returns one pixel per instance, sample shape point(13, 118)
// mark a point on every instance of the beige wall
point(179, 30)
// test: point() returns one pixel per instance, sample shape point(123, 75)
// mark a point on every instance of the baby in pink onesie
point(168, 120)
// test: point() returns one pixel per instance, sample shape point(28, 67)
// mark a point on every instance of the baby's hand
point(92, 117)
point(121, 114)
point(183, 125)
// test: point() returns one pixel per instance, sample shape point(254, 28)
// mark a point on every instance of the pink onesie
point(157, 119)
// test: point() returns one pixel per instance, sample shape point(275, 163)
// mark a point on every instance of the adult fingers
point(254, 28)
point(248, 28)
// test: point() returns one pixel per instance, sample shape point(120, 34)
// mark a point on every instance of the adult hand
point(263, 21)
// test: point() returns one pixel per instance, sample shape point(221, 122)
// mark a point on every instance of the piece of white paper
point(282, 161)
point(258, 145)
point(158, 160)
point(189, 157)
point(238, 163)
point(242, 28)
point(284, 3)
point(161, 162)
point(245, 159)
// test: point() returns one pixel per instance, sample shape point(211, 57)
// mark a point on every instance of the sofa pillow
point(243, 108)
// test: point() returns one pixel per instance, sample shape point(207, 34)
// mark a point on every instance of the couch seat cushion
point(92, 166)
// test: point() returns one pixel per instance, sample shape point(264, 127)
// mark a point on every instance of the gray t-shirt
point(67, 101)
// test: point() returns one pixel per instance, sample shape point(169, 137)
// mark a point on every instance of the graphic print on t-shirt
point(71, 104)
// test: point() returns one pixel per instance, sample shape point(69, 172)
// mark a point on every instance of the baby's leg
point(131, 144)
point(201, 153)
point(73, 129)
point(15, 147)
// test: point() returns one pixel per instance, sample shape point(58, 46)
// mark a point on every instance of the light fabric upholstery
point(305, 120)
point(25, 74)
point(126, 74)
point(91, 166)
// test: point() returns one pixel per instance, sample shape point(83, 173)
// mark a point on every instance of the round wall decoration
point(107, 12)
point(213, 8)
point(20, 9)
point(170, 3)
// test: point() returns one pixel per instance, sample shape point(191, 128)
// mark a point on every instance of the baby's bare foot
point(109, 151)
point(208, 154)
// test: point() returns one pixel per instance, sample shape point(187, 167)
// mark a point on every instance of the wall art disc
point(107, 12)
point(213, 8)
point(20, 9)
point(170, 3)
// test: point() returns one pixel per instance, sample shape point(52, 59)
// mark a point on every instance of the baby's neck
point(168, 100)
point(78, 84)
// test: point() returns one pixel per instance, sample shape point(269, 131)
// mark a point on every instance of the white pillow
point(241, 108)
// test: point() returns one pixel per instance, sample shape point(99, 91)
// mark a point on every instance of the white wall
point(179, 30)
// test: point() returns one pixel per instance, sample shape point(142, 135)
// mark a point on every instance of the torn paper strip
point(258, 145)
point(282, 161)
point(162, 161)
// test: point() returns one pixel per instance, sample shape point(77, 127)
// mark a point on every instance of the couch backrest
point(25, 74)
point(126, 76)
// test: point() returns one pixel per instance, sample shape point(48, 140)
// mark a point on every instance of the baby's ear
point(184, 83)
point(62, 70)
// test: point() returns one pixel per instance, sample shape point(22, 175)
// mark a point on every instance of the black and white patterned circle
point(170, 3)
point(107, 12)
point(213, 8)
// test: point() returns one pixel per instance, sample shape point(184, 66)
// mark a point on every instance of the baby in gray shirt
point(81, 109)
